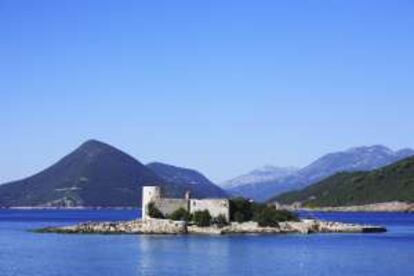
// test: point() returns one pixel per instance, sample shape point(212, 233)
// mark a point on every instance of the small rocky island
point(166, 226)
point(211, 216)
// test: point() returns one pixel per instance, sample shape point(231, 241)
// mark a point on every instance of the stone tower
point(149, 193)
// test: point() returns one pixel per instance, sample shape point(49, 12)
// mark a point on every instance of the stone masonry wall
point(169, 205)
point(214, 206)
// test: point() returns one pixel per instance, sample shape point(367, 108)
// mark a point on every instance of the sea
point(24, 252)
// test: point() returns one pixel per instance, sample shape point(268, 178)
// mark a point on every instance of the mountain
point(189, 178)
point(95, 174)
point(261, 175)
point(391, 183)
point(354, 159)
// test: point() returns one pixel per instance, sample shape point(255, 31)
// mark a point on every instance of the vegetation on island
point(180, 214)
point(154, 212)
point(202, 218)
point(242, 210)
point(199, 218)
point(220, 221)
point(391, 183)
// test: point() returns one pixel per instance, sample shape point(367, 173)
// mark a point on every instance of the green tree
point(202, 218)
point(285, 215)
point(220, 221)
point(180, 214)
point(242, 207)
point(239, 217)
point(153, 211)
point(267, 217)
point(242, 210)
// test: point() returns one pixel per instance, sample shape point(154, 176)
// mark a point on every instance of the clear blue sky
point(220, 86)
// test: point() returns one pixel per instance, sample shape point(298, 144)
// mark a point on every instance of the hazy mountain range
point(394, 182)
point(264, 174)
point(254, 186)
point(97, 174)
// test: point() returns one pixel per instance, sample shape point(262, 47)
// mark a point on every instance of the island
point(211, 216)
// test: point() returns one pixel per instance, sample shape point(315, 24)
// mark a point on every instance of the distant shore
point(394, 206)
point(67, 208)
point(391, 207)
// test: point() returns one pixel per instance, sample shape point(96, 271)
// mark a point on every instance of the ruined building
point(168, 205)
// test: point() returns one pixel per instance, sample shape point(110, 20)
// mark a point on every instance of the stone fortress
point(153, 194)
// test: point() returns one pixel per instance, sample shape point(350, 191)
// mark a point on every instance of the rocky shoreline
point(165, 226)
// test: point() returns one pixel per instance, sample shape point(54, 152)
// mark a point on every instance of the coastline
point(170, 227)
point(389, 207)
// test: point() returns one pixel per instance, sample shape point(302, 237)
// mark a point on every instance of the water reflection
point(178, 255)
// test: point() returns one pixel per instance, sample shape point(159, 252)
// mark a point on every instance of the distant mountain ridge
point(266, 173)
point(364, 158)
point(192, 179)
point(355, 159)
point(94, 175)
point(394, 182)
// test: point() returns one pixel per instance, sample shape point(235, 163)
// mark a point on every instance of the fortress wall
point(149, 194)
point(214, 206)
point(169, 205)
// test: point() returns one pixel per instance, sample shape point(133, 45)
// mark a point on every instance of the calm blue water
point(26, 253)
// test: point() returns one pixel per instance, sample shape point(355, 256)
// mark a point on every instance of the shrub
point(180, 214)
point(220, 221)
point(202, 218)
point(153, 211)
point(242, 207)
point(257, 208)
point(285, 215)
point(242, 210)
point(239, 217)
point(267, 217)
